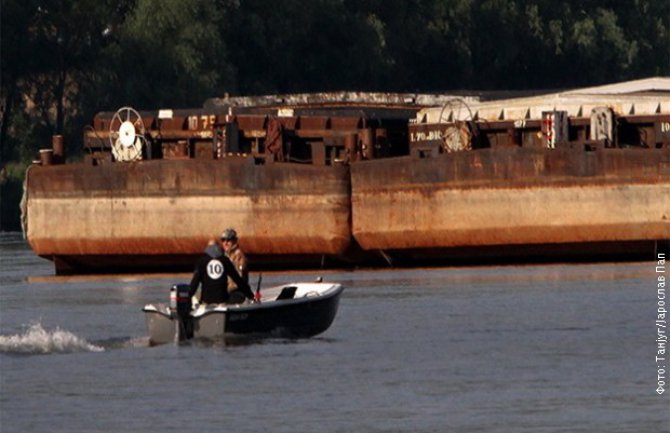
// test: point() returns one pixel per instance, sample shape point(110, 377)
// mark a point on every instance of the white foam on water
point(37, 340)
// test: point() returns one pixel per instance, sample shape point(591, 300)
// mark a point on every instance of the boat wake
point(37, 340)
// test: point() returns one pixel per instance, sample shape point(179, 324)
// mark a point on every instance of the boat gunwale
point(334, 290)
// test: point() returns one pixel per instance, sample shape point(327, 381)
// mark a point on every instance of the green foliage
point(298, 46)
point(62, 61)
point(49, 48)
point(164, 53)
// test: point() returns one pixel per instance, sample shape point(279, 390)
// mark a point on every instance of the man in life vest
point(212, 271)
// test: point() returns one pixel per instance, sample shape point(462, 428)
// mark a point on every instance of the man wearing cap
point(212, 271)
point(236, 255)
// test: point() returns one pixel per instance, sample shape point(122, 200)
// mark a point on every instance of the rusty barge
point(344, 179)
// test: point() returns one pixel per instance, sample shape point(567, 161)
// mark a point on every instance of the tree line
point(65, 60)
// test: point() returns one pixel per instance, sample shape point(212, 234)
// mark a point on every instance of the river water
point(542, 348)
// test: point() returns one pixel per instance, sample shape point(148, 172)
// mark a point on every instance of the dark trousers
point(236, 297)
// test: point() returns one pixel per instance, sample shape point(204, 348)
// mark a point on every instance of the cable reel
point(457, 138)
point(457, 135)
point(126, 135)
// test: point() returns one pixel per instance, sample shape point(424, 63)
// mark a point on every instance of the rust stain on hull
point(161, 213)
point(173, 207)
point(510, 198)
point(361, 180)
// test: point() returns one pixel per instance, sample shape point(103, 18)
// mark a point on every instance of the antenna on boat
point(257, 296)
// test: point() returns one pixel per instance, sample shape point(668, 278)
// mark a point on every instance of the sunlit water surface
point(552, 348)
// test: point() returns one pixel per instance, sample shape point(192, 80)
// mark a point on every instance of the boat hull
point(299, 319)
point(162, 327)
point(309, 313)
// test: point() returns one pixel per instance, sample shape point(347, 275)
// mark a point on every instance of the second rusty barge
point(349, 178)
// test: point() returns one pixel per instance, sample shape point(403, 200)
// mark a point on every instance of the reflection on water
point(121, 278)
point(471, 274)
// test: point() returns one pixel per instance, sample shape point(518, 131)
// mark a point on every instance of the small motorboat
point(294, 310)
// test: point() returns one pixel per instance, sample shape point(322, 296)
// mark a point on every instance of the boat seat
point(287, 292)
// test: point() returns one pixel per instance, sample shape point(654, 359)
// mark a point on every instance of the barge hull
point(345, 178)
point(163, 212)
point(512, 197)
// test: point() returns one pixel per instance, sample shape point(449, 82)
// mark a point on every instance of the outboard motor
point(180, 309)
